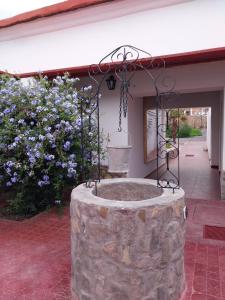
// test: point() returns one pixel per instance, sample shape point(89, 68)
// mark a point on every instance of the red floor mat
point(214, 232)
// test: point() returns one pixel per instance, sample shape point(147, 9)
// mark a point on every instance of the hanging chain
point(120, 114)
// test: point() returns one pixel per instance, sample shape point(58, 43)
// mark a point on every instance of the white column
point(208, 134)
point(222, 156)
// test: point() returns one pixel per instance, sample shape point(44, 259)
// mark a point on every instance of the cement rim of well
point(85, 195)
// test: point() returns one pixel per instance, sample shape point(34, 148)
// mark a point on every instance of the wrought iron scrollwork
point(168, 176)
point(88, 107)
point(124, 62)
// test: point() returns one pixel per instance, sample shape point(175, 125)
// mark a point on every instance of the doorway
point(200, 156)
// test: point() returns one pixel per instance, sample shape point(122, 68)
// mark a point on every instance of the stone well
point(127, 242)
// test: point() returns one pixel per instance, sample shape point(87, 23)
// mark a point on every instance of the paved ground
point(35, 254)
point(197, 178)
point(35, 258)
point(204, 258)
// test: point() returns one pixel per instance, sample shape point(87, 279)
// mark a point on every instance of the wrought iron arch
point(124, 62)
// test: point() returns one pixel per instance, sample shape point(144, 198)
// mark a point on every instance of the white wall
point(223, 133)
point(137, 167)
point(109, 121)
point(208, 136)
point(84, 36)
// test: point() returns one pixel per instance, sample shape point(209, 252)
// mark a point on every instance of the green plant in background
point(40, 140)
point(185, 130)
point(196, 132)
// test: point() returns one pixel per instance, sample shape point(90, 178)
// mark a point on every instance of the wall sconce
point(111, 83)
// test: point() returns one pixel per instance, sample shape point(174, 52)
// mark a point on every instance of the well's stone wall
point(127, 250)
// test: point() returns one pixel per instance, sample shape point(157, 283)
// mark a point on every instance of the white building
point(71, 36)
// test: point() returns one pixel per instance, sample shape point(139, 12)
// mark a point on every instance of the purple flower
point(45, 177)
point(40, 183)
point(41, 137)
point(49, 157)
point(14, 179)
point(6, 111)
point(32, 159)
point(8, 170)
point(37, 154)
point(67, 145)
point(64, 165)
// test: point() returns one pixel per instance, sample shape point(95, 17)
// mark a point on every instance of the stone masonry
point(127, 250)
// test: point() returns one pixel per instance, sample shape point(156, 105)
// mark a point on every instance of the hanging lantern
point(111, 83)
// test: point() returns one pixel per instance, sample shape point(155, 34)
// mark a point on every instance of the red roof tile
point(51, 10)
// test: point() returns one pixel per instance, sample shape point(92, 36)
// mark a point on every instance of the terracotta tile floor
point(35, 258)
point(35, 254)
point(204, 258)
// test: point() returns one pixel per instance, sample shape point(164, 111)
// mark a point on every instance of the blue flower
point(64, 165)
point(37, 154)
point(67, 145)
point(6, 111)
point(45, 177)
point(8, 170)
point(78, 122)
point(14, 179)
point(32, 159)
point(40, 183)
point(49, 157)
point(41, 137)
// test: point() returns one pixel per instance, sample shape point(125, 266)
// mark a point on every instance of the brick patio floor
point(35, 254)
point(35, 258)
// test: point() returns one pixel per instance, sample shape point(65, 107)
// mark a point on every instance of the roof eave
point(172, 60)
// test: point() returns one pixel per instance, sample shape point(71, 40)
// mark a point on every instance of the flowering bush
point(39, 140)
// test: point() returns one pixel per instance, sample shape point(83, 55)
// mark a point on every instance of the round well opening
point(127, 191)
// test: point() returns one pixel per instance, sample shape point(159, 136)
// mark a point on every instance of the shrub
point(185, 130)
point(40, 140)
point(196, 132)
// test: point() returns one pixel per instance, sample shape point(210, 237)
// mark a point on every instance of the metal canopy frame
point(124, 62)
